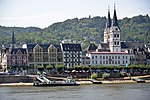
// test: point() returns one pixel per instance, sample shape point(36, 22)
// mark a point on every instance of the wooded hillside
point(85, 29)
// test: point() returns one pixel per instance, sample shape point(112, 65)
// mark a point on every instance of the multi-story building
point(17, 57)
point(137, 49)
point(43, 54)
point(110, 58)
point(14, 57)
point(48, 54)
point(72, 54)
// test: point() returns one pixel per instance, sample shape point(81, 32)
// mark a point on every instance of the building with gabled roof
point(43, 55)
point(92, 47)
point(17, 57)
point(13, 57)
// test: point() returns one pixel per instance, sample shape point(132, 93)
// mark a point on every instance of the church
point(112, 51)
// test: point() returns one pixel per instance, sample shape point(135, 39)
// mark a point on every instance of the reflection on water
point(83, 92)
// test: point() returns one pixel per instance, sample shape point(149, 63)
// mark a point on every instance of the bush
point(78, 67)
point(40, 68)
point(122, 74)
point(94, 76)
point(120, 67)
point(101, 67)
point(94, 67)
point(105, 75)
point(60, 67)
point(49, 67)
point(85, 67)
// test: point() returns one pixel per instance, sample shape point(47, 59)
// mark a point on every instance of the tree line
point(84, 30)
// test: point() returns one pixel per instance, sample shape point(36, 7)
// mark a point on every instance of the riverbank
point(80, 82)
point(83, 81)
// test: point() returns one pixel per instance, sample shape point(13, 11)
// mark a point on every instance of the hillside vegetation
point(89, 29)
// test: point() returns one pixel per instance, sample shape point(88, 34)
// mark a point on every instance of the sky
point(42, 13)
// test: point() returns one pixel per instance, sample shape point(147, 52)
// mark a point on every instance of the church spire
point(13, 39)
point(115, 20)
point(108, 23)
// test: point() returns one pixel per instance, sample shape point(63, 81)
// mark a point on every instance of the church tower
point(114, 35)
point(107, 28)
point(13, 40)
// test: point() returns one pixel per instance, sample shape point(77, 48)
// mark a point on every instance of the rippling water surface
point(83, 92)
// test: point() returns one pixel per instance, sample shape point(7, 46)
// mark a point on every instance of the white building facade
point(110, 58)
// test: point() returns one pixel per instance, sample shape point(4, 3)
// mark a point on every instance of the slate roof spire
point(115, 20)
point(13, 39)
point(108, 23)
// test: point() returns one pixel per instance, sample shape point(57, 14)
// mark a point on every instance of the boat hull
point(97, 82)
point(140, 81)
point(55, 84)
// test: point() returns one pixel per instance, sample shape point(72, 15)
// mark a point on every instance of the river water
point(83, 92)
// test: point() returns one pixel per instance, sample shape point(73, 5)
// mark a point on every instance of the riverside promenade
point(85, 81)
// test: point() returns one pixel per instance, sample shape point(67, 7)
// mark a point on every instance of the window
point(109, 57)
point(100, 62)
point(117, 43)
point(103, 61)
point(106, 57)
point(123, 62)
point(118, 57)
point(123, 57)
point(92, 57)
point(103, 57)
point(92, 62)
point(96, 61)
point(112, 62)
point(117, 35)
point(106, 62)
point(109, 61)
point(112, 57)
point(100, 57)
point(115, 61)
point(118, 61)
point(95, 57)
point(115, 57)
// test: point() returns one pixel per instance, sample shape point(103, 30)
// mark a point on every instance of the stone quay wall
point(15, 79)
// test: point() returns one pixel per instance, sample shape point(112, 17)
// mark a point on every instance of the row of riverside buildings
point(110, 52)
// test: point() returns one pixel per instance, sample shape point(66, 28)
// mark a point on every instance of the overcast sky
point(42, 13)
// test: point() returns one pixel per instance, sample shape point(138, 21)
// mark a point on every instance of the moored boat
point(138, 80)
point(43, 81)
point(94, 81)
